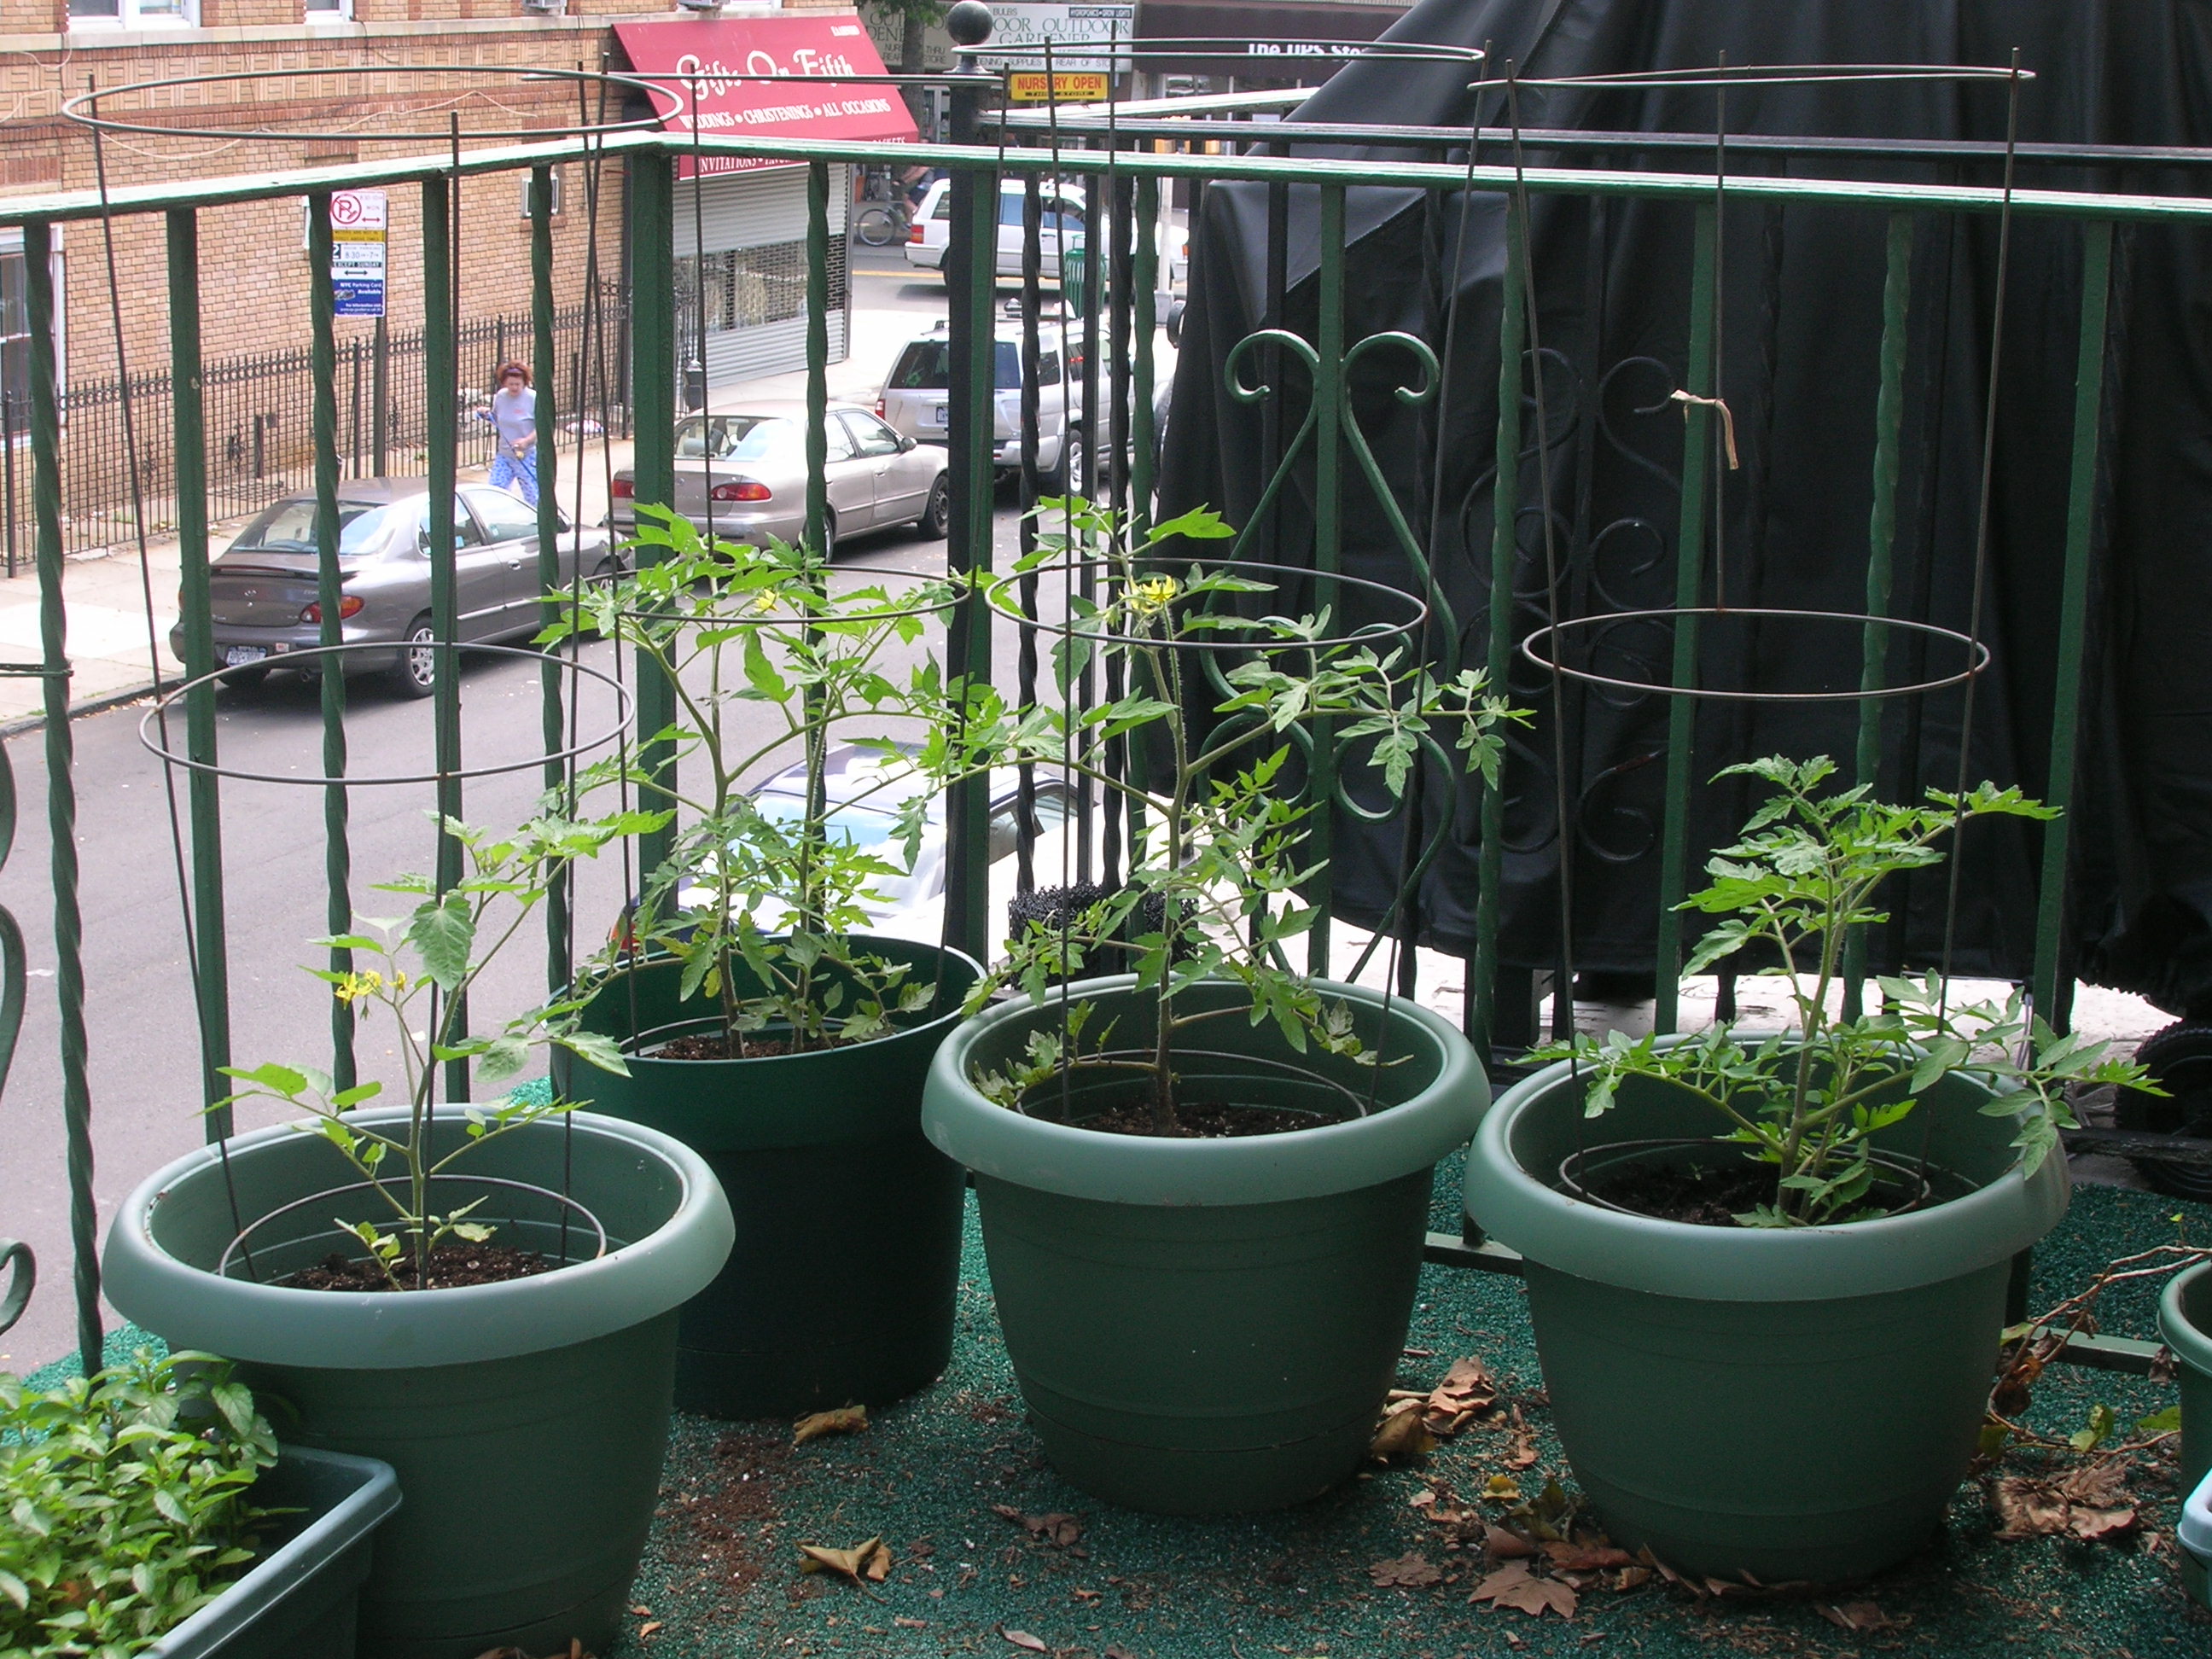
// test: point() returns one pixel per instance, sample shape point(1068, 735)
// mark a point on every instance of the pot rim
point(2191, 1342)
point(193, 1307)
point(1989, 1224)
point(1297, 1163)
point(950, 1015)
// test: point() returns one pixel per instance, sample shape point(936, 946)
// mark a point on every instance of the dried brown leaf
point(1467, 1389)
point(1022, 1639)
point(1587, 1558)
point(864, 1564)
point(1506, 1546)
point(2091, 1501)
point(1401, 1433)
point(1513, 1586)
point(648, 1627)
point(1411, 1570)
point(1057, 1528)
point(1859, 1615)
point(905, 1623)
point(846, 1420)
point(1501, 1489)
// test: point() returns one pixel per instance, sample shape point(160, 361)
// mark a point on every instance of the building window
point(328, 11)
point(560, 200)
point(133, 14)
point(16, 337)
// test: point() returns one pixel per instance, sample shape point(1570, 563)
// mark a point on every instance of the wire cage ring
point(777, 618)
point(84, 108)
point(157, 716)
point(996, 591)
point(237, 1249)
point(1976, 653)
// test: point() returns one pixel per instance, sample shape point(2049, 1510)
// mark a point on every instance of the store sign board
point(1024, 26)
point(359, 226)
point(771, 78)
point(1027, 86)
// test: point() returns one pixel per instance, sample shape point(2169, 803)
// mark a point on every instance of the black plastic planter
point(300, 1600)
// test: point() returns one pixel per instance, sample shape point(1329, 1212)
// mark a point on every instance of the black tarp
point(1802, 312)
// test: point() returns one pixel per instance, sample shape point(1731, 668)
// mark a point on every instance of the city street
point(141, 1035)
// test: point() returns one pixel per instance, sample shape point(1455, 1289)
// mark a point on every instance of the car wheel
point(830, 528)
point(1069, 476)
point(417, 672)
point(2179, 1060)
point(936, 521)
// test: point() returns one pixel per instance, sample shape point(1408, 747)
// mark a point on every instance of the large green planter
point(1793, 1404)
point(525, 1420)
point(841, 1286)
point(1209, 1326)
point(2184, 1324)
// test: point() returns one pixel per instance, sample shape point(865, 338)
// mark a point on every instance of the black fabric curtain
point(1801, 298)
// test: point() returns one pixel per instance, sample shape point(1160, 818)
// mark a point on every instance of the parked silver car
point(264, 591)
point(743, 473)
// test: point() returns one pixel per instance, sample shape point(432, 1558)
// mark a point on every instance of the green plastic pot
point(1792, 1404)
point(300, 1600)
point(2184, 1324)
point(527, 1420)
point(1209, 1326)
point(841, 1287)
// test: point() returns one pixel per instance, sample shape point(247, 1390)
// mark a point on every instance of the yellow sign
point(1027, 86)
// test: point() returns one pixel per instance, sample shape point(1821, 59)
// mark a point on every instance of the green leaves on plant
point(1812, 1102)
point(127, 1500)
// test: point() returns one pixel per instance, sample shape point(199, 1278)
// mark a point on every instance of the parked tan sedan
point(741, 474)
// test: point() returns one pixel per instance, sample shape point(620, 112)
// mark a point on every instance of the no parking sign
point(357, 243)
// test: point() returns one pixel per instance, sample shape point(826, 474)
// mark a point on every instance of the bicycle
point(879, 224)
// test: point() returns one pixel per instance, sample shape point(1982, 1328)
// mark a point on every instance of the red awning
point(726, 53)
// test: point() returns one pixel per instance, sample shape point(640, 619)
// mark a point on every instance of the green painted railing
point(1127, 182)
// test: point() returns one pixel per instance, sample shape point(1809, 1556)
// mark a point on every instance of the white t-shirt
point(514, 414)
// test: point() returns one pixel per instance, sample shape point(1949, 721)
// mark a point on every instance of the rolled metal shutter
point(761, 214)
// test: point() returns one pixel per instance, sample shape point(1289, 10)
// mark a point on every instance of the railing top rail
point(1560, 181)
point(1090, 123)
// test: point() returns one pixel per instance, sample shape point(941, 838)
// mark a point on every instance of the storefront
point(1246, 45)
point(740, 224)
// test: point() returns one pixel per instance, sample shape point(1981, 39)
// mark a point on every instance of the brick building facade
point(334, 73)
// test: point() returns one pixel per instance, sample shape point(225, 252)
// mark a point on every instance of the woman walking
point(514, 417)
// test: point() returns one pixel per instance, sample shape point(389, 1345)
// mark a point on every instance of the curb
point(98, 705)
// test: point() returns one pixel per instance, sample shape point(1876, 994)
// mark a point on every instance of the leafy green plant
point(126, 1495)
point(1810, 1101)
point(1218, 860)
point(761, 900)
point(420, 971)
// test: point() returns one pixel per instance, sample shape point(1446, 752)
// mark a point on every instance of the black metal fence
point(260, 424)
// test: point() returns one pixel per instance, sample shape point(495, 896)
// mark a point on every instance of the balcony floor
point(721, 1576)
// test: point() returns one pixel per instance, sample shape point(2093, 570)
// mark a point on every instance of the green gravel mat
point(931, 1477)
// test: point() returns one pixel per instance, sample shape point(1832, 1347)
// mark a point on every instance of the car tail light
point(879, 410)
point(742, 490)
point(349, 606)
point(914, 233)
point(622, 489)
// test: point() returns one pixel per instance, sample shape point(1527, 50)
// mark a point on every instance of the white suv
point(1062, 215)
point(914, 399)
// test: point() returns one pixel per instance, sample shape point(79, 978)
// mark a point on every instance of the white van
point(1062, 214)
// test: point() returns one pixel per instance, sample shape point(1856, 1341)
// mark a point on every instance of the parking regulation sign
point(357, 248)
